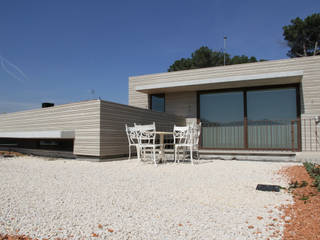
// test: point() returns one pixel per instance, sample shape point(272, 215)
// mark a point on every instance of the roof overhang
point(56, 134)
point(224, 82)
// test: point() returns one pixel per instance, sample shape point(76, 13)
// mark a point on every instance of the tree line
point(302, 36)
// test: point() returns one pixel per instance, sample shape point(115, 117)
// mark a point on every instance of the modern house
point(263, 107)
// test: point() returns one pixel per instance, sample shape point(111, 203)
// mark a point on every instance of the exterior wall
point(182, 104)
point(99, 125)
point(82, 117)
point(185, 102)
point(114, 116)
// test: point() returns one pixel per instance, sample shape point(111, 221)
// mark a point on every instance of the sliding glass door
point(272, 118)
point(259, 118)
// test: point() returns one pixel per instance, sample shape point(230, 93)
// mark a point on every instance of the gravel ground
point(50, 198)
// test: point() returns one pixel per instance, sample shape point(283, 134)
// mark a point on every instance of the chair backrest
point(195, 131)
point(181, 135)
point(147, 133)
point(132, 134)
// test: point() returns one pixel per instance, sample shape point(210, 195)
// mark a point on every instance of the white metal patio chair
point(147, 140)
point(133, 140)
point(195, 130)
point(187, 138)
point(181, 140)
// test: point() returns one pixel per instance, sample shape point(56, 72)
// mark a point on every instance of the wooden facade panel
point(182, 104)
point(82, 117)
point(99, 126)
point(114, 117)
point(231, 70)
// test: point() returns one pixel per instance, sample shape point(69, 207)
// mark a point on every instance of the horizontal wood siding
point(81, 117)
point(184, 103)
point(114, 117)
point(99, 125)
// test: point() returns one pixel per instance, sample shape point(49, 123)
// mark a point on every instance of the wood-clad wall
point(82, 117)
point(114, 116)
point(99, 125)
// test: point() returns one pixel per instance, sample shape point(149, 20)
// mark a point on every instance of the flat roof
point(55, 134)
point(295, 76)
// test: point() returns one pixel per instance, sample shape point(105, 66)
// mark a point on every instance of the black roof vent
point(47, 104)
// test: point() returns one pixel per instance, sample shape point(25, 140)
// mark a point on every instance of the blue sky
point(68, 48)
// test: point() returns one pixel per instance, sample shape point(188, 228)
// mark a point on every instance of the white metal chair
point(181, 140)
point(195, 130)
point(187, 138)
point(133, 140)
point(147, 140)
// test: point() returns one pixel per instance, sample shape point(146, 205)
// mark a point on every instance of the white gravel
point(50, 198)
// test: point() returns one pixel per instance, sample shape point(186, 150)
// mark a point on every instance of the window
point(272, 104)
point(250, 118)
point(270, 113)
point(222, 107)
point(157, 102)
point(221, 114)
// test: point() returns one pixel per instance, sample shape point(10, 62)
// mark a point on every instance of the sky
point(67, 51)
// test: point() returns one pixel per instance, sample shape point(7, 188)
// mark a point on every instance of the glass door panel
point(221, 115)
point(272, 115)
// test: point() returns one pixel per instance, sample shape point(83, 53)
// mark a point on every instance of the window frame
point(245, 89)
point(162, 95)
point(297, 86)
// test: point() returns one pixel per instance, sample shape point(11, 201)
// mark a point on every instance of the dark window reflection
point(222, 120)
point(272, 104)
point(221, 107)
point(271, 115)
point(157, 102)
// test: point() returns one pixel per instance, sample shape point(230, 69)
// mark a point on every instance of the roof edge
point(220, 80)
point(162, 74)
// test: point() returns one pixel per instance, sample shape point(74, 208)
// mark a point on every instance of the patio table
point(161, 134)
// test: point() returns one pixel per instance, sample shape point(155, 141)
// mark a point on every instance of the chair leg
point(154, 156)
point(175, 154)
point(178, 154)
point(142, 156)
point(184, 153)
point(138, 152)
point(129, 152)
point(198, 156)
point(191, 157)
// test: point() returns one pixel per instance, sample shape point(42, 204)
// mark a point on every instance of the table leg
point(162, 147)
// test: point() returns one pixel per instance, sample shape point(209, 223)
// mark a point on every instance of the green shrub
point(310, 168)
point(314, 172)
point(316, 182)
